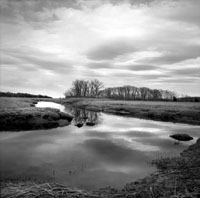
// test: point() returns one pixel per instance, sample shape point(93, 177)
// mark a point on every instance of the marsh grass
point(180, 112)
point(17, 114)
point(43, 190)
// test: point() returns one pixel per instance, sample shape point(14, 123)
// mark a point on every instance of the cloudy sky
point(46, 44)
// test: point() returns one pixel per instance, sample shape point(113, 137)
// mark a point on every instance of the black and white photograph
point(100, 98)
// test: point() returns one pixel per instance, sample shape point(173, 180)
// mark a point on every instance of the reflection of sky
point(112, 153)
point(51, 105)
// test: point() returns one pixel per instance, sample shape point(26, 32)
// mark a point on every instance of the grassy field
point(23, 115)
point(8, 103)
point(18, 114)
point(181, 112)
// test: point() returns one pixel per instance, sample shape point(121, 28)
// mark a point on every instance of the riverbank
point(176, 177)
point(23, 114)
point(18, 114)
point(180, 112)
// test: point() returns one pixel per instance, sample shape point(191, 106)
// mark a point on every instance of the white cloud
point(59, 41)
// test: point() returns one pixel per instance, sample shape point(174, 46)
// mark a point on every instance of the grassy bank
point(181, 112)
point(175, 178)
point(21, 114)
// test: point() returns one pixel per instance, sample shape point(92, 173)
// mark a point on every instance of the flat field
point(18, 114)
point(181, 112)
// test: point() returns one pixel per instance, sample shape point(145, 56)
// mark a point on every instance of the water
point(113, 152)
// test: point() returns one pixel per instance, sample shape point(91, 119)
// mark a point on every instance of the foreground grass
point(181, 112)
point(18, 114)
point(176, 178)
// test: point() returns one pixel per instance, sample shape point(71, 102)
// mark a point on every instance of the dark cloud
point(108, 65)
point(99, 65)
point(177, 80)
point(111, 50)
point(144, 76)
point(174, 55)
point(172, 58)
point(35, 12)
point(141, 67)
point(34, 60)
point(184, 12)
point(192, 72)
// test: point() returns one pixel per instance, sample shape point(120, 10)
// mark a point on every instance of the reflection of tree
point(82, 116)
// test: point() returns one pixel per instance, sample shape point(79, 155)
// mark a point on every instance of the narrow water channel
point(112, 151)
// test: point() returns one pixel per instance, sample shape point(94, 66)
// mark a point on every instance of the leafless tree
point(83, 88)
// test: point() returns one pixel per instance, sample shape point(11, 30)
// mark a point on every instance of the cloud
point(141, 67)
point(179, 14)
point(190, 72)
point(99, 65)
point(34, 60)
point(111, 50)
point(143, 43)
point(179, 53)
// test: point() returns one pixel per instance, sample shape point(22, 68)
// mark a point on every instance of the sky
point(46, 44)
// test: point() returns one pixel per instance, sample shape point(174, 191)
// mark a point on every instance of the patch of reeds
point(40, 190)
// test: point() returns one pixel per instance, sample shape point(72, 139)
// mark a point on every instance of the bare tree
point(83, 88)
point(97, 86)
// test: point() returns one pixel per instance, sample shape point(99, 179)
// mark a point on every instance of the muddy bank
point(179, 112)
point(175, 177)
point(21, 114)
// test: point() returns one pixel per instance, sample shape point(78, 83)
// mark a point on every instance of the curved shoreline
point(176, 112)
point(25, 116)
point(23, 111)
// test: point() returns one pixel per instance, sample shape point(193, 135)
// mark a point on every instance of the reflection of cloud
point(165, 145)
point(125, 133)
point(112, 152)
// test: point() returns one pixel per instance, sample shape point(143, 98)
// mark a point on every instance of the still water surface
point(113, 152)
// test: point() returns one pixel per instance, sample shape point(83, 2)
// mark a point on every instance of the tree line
point(94, 88)
point(85, 88)
point(135, 93)
point(22, 95)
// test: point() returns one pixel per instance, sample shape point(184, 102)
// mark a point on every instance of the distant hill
point(23, 95)
point(142, 93)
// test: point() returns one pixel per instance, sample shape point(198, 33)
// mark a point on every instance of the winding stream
point(113, 152)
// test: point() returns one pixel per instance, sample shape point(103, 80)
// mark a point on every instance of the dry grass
point(7, 103)
point(181, 112)
point(18, 114)
point(37, 190)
